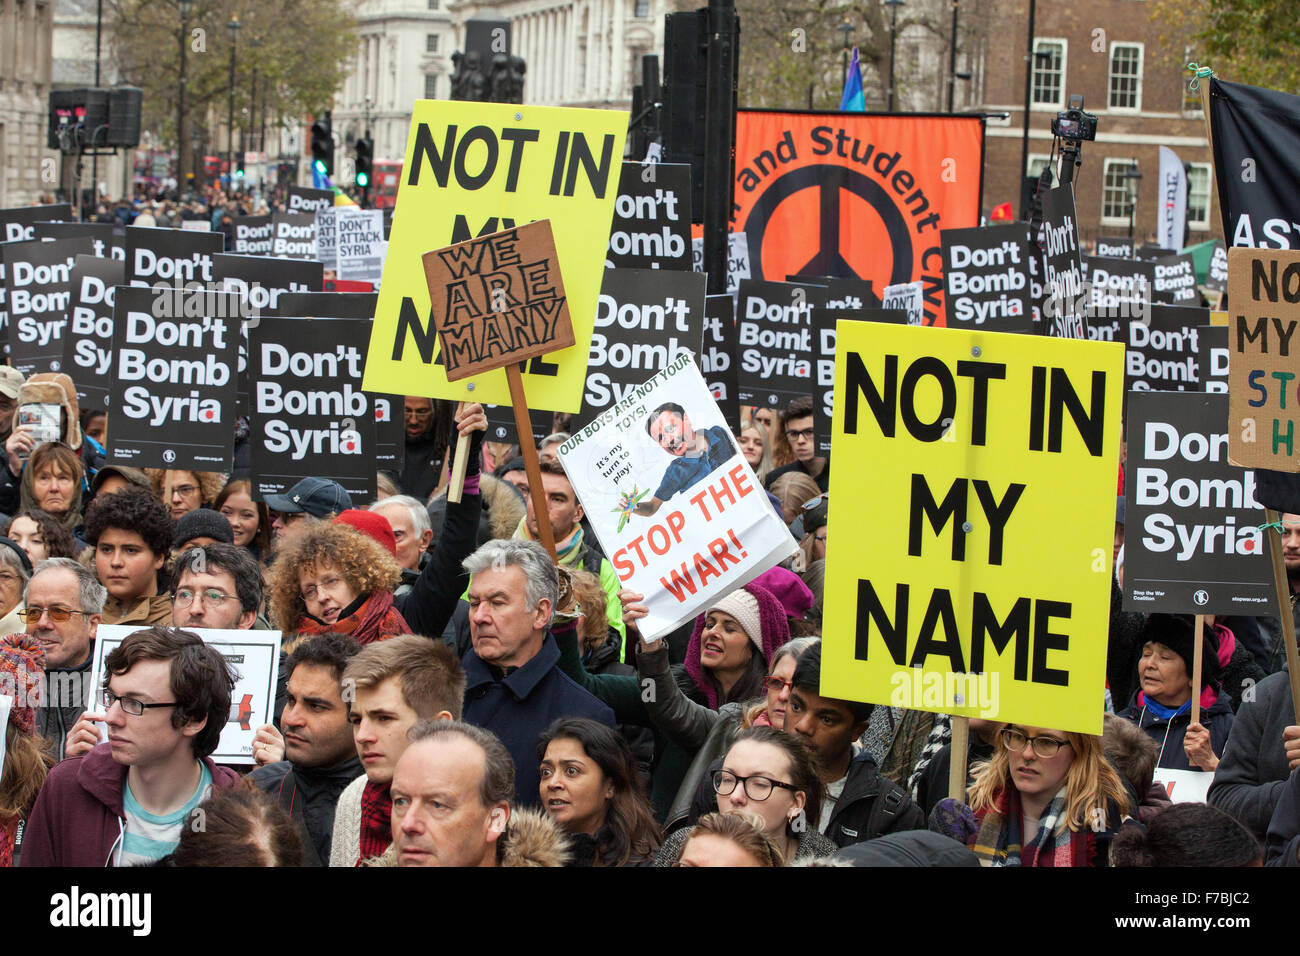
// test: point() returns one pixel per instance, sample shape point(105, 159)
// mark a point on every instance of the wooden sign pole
point(1198, 650)
point(531, 463)
point(1284, 611)
point(459, 465)
point(957, 763)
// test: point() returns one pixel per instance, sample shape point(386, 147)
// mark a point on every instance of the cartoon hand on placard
point(627, 502)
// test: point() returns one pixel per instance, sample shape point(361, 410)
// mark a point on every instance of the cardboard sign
point(1216, 277)
point(361, 246)
point(1114, 248)
point(327, 237)
point(907, 297)
point(173, 388)
point(108, 243)
point(1192, 544)
point(1185, 786)
point(39, 280)
point(1118, 288)
point(170, 258)
point(293, 235)
point(88, 344)
point(1176, 280)
point(718, 356)
point(986, 277)
point(309, 201)
point(255, 658)
point(1063, 279)
point(709, 528)
point(652, 218)
point(309, 415)
point(1264, 301)
point(956, 601)
point(738, 267)
point(774, 341)
point(472, 169)
point(1212, 358)
point(645, 318)
point(1162, 352)
point(254, 236)
point(497, 300)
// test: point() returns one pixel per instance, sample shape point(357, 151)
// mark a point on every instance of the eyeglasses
point(776, 684)
point(185, 490)
point(130, 705)
point(184, 597)
point(418, 412)
point(820, 538)
point(1044, 747)
point(817, 502)
point(756, 788)
point(802, 434)
point(287, 516)
point(58, 614)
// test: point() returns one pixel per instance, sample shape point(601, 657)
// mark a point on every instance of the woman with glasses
point(589, 788)
point(793, 489)
point(184, 491)
point(15, 570)
point(770, 775)
point(1045, 798)
point(333, 578)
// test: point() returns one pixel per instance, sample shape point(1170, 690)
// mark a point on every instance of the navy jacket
point(1169, 734)
point(519, 707)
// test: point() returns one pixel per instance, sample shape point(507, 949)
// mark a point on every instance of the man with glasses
point(216, 586)
point(426, 446)
point(166, 697)
point(310, 500)
point(797, 423)
point(63, 605)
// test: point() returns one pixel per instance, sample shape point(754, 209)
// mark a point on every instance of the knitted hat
point(203, 523)
point(743, 606)
point(769, 628)
point(372, 526)
point(22, 669)
point(1177, 632)
point(788, 588)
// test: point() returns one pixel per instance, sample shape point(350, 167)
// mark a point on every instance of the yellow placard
point(476, 168)
point(973, 501)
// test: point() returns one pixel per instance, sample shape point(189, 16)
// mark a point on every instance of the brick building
point(1109, 51)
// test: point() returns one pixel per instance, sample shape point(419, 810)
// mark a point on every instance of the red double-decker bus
point(388, 175)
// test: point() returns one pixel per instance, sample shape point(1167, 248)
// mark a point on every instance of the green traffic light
point(363, 179)
point(320, 166)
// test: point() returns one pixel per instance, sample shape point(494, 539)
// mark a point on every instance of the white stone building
point(25, 55)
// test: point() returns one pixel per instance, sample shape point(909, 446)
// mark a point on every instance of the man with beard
point(428, 431)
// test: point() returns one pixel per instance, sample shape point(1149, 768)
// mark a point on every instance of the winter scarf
point(998, 842)
point(376, 820)
point(369, 618)
point(776, 631)
point(70, 519)
point(569, 553)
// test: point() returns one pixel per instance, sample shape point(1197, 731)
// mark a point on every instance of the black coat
point(871, 805)
point(422, 466)
point(1253, 770)
point(309, 795)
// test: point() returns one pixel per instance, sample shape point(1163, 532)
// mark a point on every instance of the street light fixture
point(1133, 179)
point(893, 35)
point(234, 27)
point(186, 7)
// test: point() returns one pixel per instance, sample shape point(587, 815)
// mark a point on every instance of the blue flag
point(852, 100)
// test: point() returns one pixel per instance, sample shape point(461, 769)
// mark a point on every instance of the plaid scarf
point(998, 842)
point(376, 820)
point(376, 619)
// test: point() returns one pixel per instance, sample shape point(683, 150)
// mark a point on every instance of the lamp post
point(186, 7)
point(847, 29)
point(195, 141)
point(893, 36)
point(233, 26)
point(1026, 199)
point(1134, 180)
point(252, 102)
point(952, 57)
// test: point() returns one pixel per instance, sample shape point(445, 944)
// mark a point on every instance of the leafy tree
point(1245, 41)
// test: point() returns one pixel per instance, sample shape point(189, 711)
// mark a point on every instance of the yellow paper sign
point(476, 168)
point(975, 481)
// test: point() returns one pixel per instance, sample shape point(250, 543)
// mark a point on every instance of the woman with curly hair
point(41, 536)
point(184, 491)
point(1045, 798)
point(331, 578)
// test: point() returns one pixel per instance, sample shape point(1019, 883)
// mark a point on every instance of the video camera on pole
point(1071, 127)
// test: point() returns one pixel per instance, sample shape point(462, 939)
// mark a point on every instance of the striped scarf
point(569, 551)
point(998, 842)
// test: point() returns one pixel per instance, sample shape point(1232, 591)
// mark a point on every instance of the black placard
point(1161, 354)
point(1175, 281)
point(1216, 276)
point(18, 223)
point(310, 417)
point(1114, 248)
point(1064, 306)
point(173, 386)
point(651, 228)
point(774, 341)
point(1119, 291)
point(824, 320)
point(171, 258)
point(986, 278)
point(501, 424)
point(88, 344)
point(718, 356)
point(1212, 357)
point(40, 293)
point(293, 235)
point(1190, 544)
point(253, 236)
point(309, 201)
point(108, 242)
point(644, 319)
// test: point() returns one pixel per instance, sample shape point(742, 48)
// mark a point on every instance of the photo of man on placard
point(696, 454)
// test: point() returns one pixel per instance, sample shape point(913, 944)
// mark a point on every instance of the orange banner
point(852, 194)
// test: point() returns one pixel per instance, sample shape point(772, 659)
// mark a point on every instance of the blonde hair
point(1090, 783)
point(745, 830)
point(363, 562)
point(765, 460)
point(792, 489)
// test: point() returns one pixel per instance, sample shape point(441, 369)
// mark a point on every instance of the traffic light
point(364, 161)
point(322, 146)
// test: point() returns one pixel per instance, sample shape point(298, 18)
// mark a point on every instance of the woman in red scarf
point(332, 578)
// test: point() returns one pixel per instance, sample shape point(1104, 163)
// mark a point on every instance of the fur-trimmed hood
point(531, 840)
point(505, 506)
point(54, 388)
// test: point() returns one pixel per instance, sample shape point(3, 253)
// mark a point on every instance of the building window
point(1049, 73)
point(1036, 163)
point(642, 9)
point(1198, 196)
point(1125, 76)
point(433, 4)
point(1115, 192)
point(430, 86)
point(431, 43)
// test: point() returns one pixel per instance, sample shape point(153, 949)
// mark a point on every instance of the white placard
point(1185, 786)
